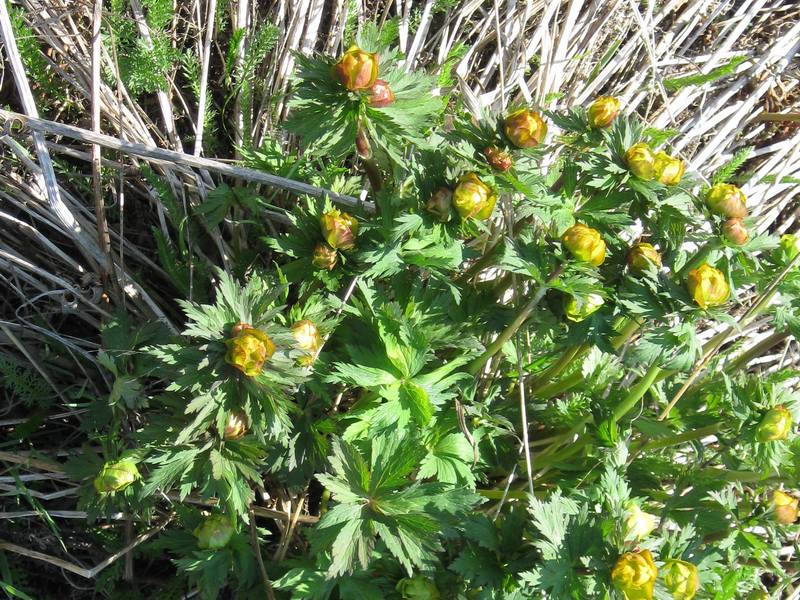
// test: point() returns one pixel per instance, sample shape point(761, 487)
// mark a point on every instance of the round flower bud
point(116, 476)
point(727, 200)
point(785, 507)
point(381, 95)
point(638, 524)
point(235, 426)
point(640, 161)
point(214, 532)
point(680, 578)
point(473, 198)
point(668, 170)
point(578, 308)
point(324, 257)
point(339, 229)
point(603, 111)
point(707, 286)
point(307, 335)
point(249, 349)
point(758, 595)
point(641, 256)
point(525, 128)
point(585, 244)
point(735, 232)
point(363, 147)
point(440, 205)
point(776, 424)
point(418, 587)
point(635, 575)
point(498, 159)
point(790, 244)
point(356, 69)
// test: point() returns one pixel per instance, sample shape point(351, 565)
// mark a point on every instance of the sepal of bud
point(497, 158)
point(776, 424)
point(707, 286)
point(638, 524)
point(418, 587)
point(248, 349)
point(735, 232)
point(525, 128)
point(579, 308)
point(236, 426)
point(603, 111)
point(381, 95)
point(214, 532)
point(116, 476)
point(668, 170)
point(307, 335)
point(339, 229)
point(785, 507)
point(642, 256)
point(356, 69)
point(585, 244)
point(681, 579)
point(635, 574)
point(440, 205)
point(324, 257)
point(640, 161)
point(473, 198)
point(727, 200)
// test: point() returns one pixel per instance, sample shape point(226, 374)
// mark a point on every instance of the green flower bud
point(116, 476)
point(473, 198)
point(248, 349)
point(585, 244)
point(381, 95)
point(324, 257)
point(635, 574)
point(638, 524)
point(707, 286)
point(356, 69)
point(785, 507)
point(790, 244)
point(214, 532)
point(418, 587)
point(307, 335)
point(758, 595)
point(339, 229)
point(235, 426)
point(680, 578)
point(640, 161)
point(735, 232)
point(578, 308)
point(641, 256)
point(776, 424)
point(603, 111)
point(440, 205)
point(525, 128)
point(498, 159)
point(668, 170)
point(727, 200)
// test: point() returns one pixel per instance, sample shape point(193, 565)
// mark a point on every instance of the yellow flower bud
point(307, 335)
point(235, 426)
point(473, 198)
point(727, 201)
point(776, 424)
point(116, 476)
point(585, 244)
point(668, 170)
point(640, 161)
point(339, 229)
point(681, 579)
point(603, 111)
point(356, 69)
point(641, 256)
point(249, 349)
point(440, 205)
point(785, 507)
point(790, 244)
point(638, 524)
point(324, 257)
point(735, 232)
point(525, 128)
point(707, 286)
point(635, 575)
point(577, 308)
point(214, 532)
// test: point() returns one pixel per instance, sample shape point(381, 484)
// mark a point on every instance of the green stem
point(636, 392)
point(373, 174)
point(757, 350)
point(681, 438)
point(699, 256)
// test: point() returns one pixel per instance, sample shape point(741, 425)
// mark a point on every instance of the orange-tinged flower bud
point(324, 257)
point(785, 507)
point(236, 426)
point(440, 205)
point(668, 170)
point(339, 229)
point(638, 524)
point(776, 424)
point(214, 532)
point(790, 244)
point(640, 161)
point(735, 232)
point(681, 579)
point(585, 244)
point(727, 201)
point(307, 335)
point(116, 476)
point(635, 575)
point(381, 95)
point(249, 349)
point(578, 308)
point(603, 111)
point(641, 256)
point(473, 198)
point(498, 159)
point(707, 286)
point(525, 128)
point(356, 69)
